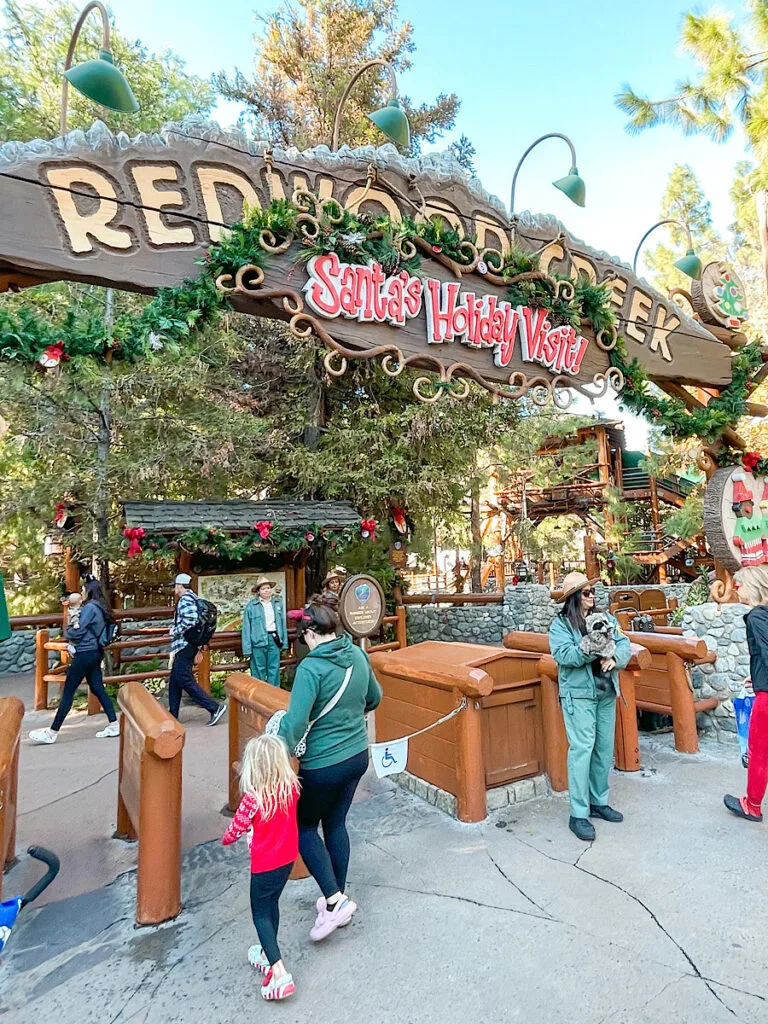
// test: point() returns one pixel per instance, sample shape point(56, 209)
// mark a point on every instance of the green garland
point(672, 413)
point(176, 313)
point(240, 547)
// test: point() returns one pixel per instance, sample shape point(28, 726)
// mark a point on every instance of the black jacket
point(757, 641)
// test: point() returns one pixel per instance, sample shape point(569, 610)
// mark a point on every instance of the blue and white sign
point(390, 758)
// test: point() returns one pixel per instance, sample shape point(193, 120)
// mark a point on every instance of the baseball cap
point(183, 578)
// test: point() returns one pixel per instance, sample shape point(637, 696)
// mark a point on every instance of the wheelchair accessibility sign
point(390, 758)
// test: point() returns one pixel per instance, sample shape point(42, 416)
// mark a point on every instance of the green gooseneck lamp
point(690, 264)
point(390, 119)
point(571, 185)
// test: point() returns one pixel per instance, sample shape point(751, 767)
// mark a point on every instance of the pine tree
point(683, 201)
point(306, 54)
point(731, 89)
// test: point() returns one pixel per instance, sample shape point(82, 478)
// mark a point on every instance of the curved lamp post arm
point(660, 224)
point(370, 64)
point(94, 5)
point(533, 145)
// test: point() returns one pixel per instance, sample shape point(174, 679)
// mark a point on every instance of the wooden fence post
point(627, 739)
point(41, 669)
point(401, 627)
point(11, 714)
point(555, 738)
point(234, 753)
point(204, 670)
point(683, 711)
point(470, 799)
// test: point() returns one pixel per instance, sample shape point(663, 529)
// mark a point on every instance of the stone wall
point(723, 629)
point(17, 654)
point(527, 607)
point(473, 624)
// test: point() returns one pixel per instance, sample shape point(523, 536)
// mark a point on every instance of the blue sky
point(520, 69)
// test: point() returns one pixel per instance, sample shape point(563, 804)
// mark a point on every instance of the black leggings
point(266, 890)
point(326, 796)
point(84, 665)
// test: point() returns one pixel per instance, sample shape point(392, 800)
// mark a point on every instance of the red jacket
point(275, 842)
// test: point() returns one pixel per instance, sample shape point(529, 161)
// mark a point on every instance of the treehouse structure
point(613, 474)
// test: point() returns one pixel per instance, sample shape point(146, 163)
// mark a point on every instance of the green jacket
point(343, 732)
point(255, 633)
point(575, 675)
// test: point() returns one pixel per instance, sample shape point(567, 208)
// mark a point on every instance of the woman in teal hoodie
point(588, 688)
point(336, 757)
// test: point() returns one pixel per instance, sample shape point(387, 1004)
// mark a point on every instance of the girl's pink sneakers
point(277, 988)
point(329, 920)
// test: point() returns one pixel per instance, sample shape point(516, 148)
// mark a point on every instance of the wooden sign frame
point(138, 214)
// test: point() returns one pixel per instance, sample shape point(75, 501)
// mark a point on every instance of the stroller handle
point(40, 853)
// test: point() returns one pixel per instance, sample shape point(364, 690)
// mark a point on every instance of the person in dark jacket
point(89, 638)
point(336, 755)
point(588, 687)
point(184, 653)
point(752, 587)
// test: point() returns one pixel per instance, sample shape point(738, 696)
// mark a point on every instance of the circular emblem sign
point(361, 605)
point(718, 297)
point(736, 517)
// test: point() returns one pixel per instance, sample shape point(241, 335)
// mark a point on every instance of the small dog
point(598, 642)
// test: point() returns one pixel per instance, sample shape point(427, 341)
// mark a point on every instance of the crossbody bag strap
point(336, 697)
point(328, 707)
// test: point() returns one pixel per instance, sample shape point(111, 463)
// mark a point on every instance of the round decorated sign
point(736, 517)
point(718, 297)
point(362, 605)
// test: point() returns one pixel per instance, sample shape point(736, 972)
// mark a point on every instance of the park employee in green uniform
point(588, 688)
point(264, 633)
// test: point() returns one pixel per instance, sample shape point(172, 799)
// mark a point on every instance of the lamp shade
point(392, 121)
point(103, 83)
point(573, 186)
point(690, 265)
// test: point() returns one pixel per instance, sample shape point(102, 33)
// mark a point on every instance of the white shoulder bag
point(272, 726)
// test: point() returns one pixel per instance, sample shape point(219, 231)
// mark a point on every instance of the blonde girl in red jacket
point(267, 812)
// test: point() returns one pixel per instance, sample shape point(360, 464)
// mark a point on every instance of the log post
point(204, 670)
point(470, 798)
point(683, 711)
point(41, 670)
point(233, 787)
point(555, 738)
point(627, 739)
point(401, 627)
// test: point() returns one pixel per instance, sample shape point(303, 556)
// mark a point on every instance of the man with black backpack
point(194, 623)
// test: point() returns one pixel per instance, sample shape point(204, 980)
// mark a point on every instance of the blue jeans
point(183, 678)
point(84, 665)
point(326, 796)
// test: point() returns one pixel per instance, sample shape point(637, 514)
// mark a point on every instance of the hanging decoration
point(368, 529)
point(673, 415)
point(134, 535)
point(264, 537)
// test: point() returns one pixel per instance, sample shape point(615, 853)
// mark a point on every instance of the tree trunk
point(103, 445)
point(761, 202)
point(476, 550)
point(316, 410)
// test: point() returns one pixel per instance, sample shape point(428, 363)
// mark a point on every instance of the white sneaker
point(43, 736)
point(257, 958)
point(113, 729)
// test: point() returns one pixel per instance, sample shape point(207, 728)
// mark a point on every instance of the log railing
point(149, 800)
point(11, 714)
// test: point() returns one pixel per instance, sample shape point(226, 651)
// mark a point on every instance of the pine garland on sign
point(673, 415)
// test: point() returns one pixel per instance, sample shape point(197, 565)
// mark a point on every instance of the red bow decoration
point(60, 515)
point(750, 460)
point(368, 529)
point(135, 535)
point(263, 528)
point(309, 536)
point(399, 519)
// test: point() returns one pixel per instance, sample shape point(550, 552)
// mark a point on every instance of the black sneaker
point(734, 806)
point(216, 715)
point(605, 812)
point(582, 828)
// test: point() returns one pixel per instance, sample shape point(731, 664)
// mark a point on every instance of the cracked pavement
point(662, 919)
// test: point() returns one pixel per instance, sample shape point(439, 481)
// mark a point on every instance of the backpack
point(207, 618)
point(107, 634)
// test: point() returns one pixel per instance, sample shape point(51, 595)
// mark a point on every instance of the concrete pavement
point(661, 921)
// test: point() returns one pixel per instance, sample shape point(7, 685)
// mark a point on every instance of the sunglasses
point(588, 592)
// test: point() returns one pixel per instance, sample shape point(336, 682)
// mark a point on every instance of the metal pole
point(551, 135)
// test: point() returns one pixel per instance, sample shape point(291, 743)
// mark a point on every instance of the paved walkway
point(662, 921)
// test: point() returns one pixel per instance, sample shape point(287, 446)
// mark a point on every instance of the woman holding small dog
point(588, 660)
